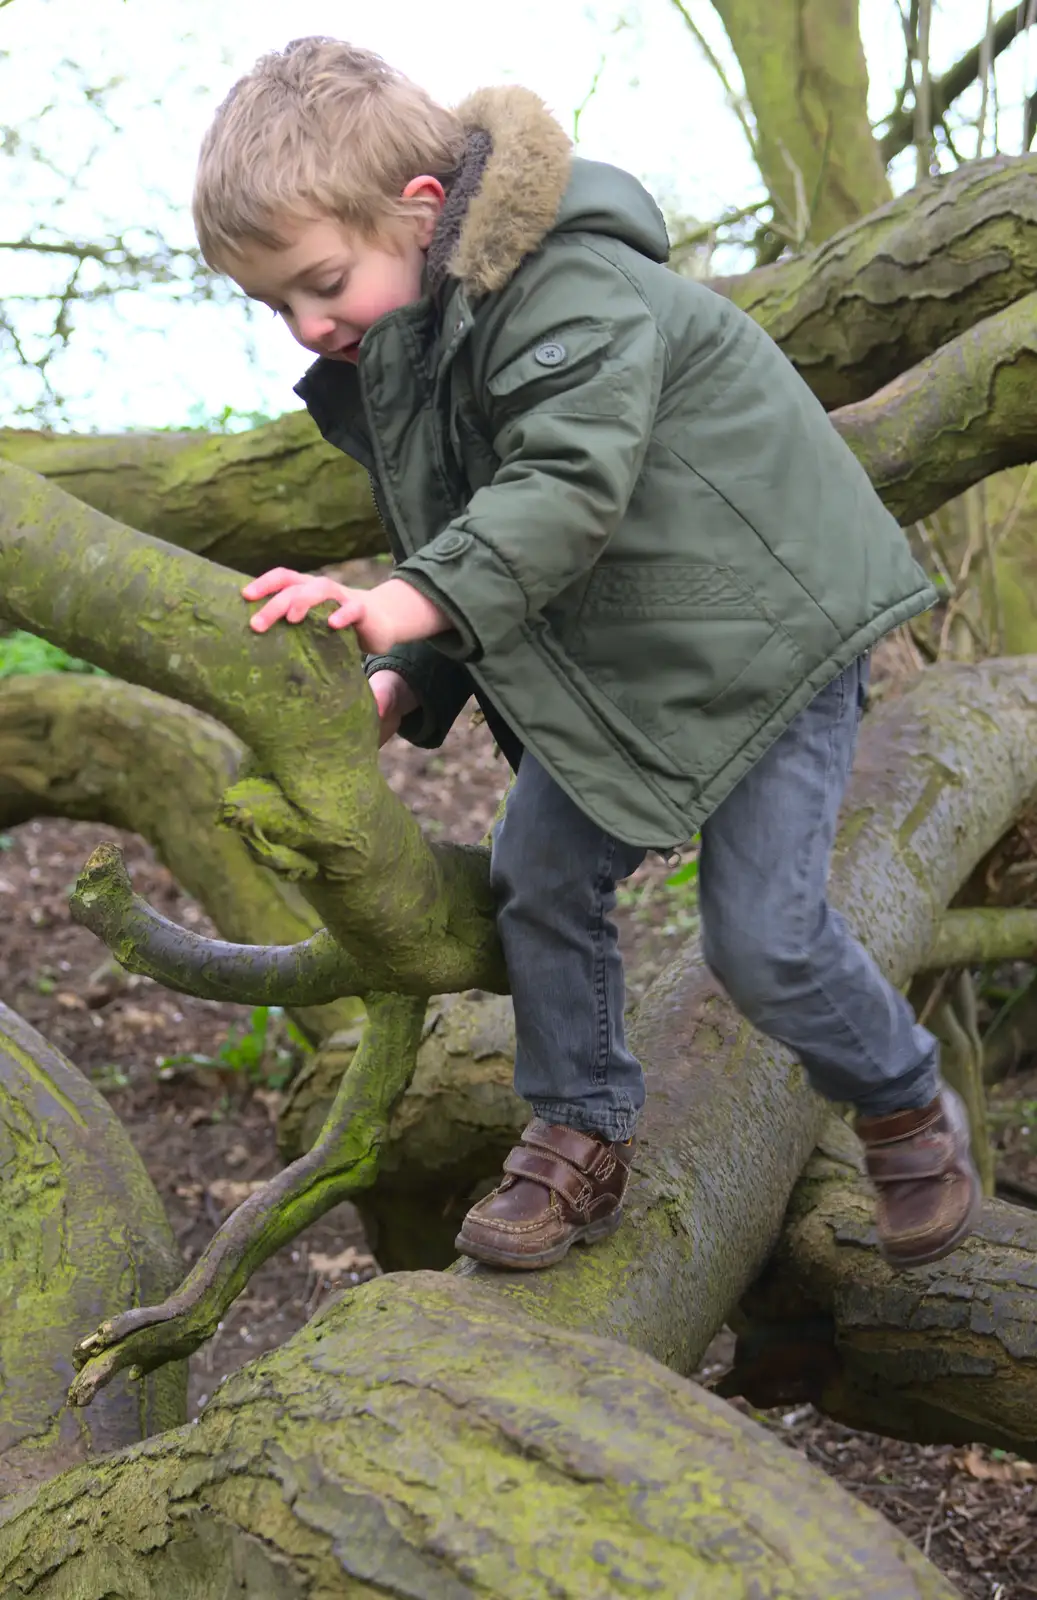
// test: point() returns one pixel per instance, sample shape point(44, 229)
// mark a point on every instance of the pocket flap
point(558, 353)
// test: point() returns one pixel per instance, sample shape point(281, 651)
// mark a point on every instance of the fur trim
point(522, 186)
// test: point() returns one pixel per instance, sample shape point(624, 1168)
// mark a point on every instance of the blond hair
point(321, 128)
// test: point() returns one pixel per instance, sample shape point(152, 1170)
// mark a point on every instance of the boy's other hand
point(393, 613)
point(394, 698)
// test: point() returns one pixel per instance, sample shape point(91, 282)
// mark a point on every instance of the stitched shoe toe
point(559, 1187)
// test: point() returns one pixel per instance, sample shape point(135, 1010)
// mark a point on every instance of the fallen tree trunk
point(80, 1226)
point(944, 1354)
point(411, 1442)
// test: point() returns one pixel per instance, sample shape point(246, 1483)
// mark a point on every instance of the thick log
point(274, 496)
point(81, 1227)
point(412, 1442)
point(100, 750)
point(942, 1354)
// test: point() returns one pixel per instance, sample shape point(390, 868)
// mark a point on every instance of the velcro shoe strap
point(553, 1174)
point(578, 1149)
point(903, 1161)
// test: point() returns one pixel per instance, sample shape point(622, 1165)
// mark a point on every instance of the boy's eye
point(332, 289)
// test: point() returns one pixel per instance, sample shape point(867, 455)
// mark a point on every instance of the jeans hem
point(613, 1129)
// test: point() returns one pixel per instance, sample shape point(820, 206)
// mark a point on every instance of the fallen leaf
point(272, 1100)
point(979, 1466)
point(237, 1155)
point(351, 1260)
point(71, 1002)
point(230, 1192)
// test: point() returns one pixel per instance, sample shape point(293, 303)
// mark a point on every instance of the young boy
point(620, 520)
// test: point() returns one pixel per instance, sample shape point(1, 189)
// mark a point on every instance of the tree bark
point(950, 422)
point(807, 81)
point(945, 1354)
point(81, 1228)
point(884, 294)
point(101, 750)
point(274, 496)
point(411, 1441)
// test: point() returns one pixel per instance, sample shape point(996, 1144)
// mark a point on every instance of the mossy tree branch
point(412, 1441)
point(887, 292)
point(344, 1159)
point(982, 935)
point(313, 972)
point(276, 495)
point(296, 697)
point(100, 750)
point(959, 416)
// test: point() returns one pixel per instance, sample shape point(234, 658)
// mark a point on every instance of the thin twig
point(735, 100)
point(923, 98)
point(986, 61)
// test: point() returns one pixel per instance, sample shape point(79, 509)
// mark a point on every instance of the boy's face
point(330, 284)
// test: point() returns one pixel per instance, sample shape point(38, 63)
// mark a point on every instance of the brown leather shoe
point(559, 1187)
point(928, 1191)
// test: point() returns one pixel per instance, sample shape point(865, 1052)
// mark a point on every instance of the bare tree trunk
point(807, 82)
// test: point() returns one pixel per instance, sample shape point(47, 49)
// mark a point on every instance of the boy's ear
point(430, 198)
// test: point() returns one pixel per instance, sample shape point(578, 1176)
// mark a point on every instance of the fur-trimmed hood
point(519, 182)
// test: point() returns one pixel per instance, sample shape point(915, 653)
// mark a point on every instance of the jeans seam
point(603, 1030)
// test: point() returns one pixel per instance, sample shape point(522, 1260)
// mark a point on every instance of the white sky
point(658, 110)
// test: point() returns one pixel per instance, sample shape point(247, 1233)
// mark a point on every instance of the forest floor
point(203, 1125)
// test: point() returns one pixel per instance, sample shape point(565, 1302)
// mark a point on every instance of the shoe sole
point(488, 1257)
point(923, 1259)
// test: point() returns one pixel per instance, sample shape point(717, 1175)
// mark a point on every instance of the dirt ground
point(205, 1131)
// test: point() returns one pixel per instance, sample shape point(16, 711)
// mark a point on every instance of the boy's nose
point(315, 330)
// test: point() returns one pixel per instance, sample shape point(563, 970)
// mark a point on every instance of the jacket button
point(549, 354)
point(450, 544)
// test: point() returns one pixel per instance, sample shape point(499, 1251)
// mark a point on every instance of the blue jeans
point(788, 961)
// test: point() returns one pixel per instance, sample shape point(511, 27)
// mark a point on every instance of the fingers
point(348, 615)
point(270, 582)
point(293, 596)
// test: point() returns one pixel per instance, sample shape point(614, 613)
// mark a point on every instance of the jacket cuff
point(441, 685)
point(467, 579)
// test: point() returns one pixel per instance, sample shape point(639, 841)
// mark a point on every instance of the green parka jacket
point(653, 545)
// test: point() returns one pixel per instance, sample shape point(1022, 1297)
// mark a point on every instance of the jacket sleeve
point(570, 399)
point(441, 684)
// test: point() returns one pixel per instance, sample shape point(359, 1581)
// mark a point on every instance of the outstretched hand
point(390, 614)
